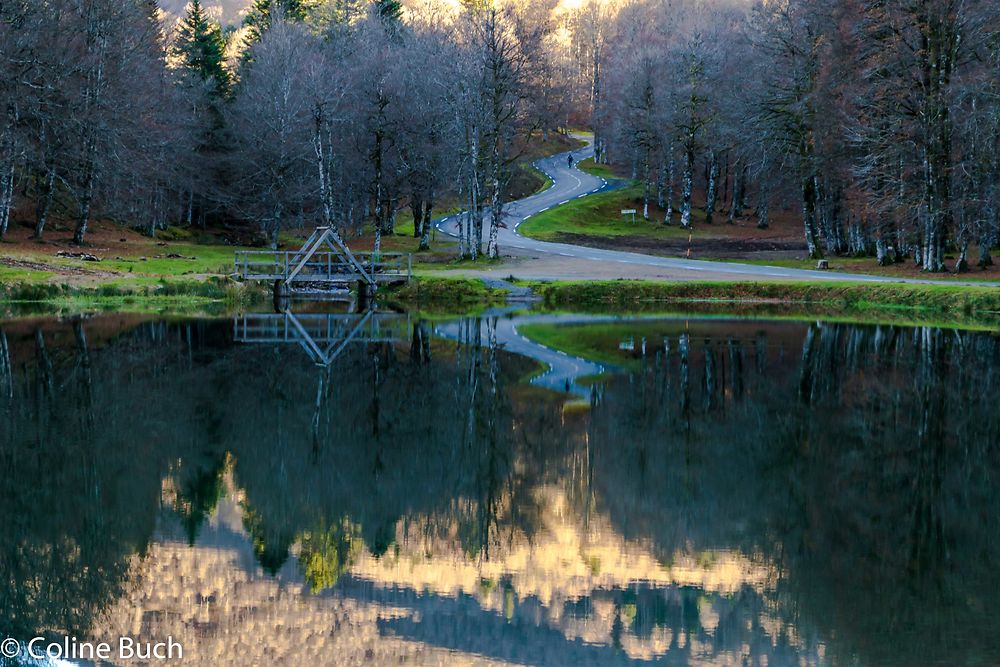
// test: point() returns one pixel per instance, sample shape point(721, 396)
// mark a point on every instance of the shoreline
point(892, 303)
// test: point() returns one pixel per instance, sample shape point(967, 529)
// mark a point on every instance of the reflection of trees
point(77, 506)
point(864, 468)
point(328, 551)
point(391, 438)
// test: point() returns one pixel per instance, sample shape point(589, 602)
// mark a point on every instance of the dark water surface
point(327, 491)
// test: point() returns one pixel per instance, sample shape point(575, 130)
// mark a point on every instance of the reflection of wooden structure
point(322, 264)
point(324, 336)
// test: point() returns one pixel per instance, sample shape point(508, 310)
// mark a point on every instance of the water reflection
point(736, 493)
point(324, 336)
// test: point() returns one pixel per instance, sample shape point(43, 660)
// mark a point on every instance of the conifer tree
point(390, 11)
point(202, 47)
point(258, 19)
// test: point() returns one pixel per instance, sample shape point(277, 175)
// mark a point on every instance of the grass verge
point(600, 216)
point(599, 170)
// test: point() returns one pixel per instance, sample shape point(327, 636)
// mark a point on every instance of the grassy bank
point(451, 295)
point(599, 170)
point(200, 295)
point(899, 303)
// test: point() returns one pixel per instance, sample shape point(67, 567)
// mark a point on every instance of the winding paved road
point(543, 260)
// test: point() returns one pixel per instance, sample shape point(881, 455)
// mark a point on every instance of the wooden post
point(363, 295)
point(279, 296)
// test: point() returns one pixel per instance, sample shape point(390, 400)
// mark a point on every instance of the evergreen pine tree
point(258, 19)
point(202, 47)
point(390, 11)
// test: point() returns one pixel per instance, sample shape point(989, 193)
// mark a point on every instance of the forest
point(876, 122)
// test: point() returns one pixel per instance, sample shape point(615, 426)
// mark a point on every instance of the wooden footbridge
point(324, 336)
point(324, 263)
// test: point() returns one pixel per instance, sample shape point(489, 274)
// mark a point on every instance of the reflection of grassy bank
point(625, 343)
point(895, 303)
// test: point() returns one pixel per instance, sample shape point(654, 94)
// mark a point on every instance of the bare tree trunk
point(668, 218)
point(645, 185)
point(687, 188)
point(321, 168)
point(985, 246)
point(189, 209)
point(83, 221)
point(809, 216)
point(417, 211)
point(764, 199)
point(496, 205)
point(882, 252)
point(476, 221)
point(476, 226)
point(276, 225)
point(6, 194)
point(962, 263)
point(933, 260)
point(711, 192)
point(425, 238)
point(736, 209)
point(660, 186)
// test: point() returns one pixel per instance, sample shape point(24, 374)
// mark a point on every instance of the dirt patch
point(104, 239)
point(52, 268)
point(701, 248)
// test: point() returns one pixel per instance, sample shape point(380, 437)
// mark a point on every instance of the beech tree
point(270, 119)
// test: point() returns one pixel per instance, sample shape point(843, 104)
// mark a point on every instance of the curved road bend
point(544, 260)
point(564, 370)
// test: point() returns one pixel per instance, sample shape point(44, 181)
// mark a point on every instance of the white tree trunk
point(6, 194)
point(686, 192)
point(711, 192)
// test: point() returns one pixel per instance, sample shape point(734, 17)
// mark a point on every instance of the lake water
point(329, 490)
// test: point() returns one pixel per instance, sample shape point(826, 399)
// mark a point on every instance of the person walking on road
point(569, 159)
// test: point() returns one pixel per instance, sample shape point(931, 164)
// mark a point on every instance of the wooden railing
point(322, 266)
point(321, 328)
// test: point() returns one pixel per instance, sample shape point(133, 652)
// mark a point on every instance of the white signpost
point(630, 211)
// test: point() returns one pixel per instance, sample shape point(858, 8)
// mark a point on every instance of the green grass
point(129, 294)
point(196, 259)
point(599, 170)
point(13, 275)
point(600, 216)
point(455, 295)
point(544, 182)
point(867, 265)
point(557, 143)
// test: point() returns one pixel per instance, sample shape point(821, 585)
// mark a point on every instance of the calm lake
point(320, 489)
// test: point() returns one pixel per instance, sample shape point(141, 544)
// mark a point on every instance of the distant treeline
point(322, 112)
point(881, 119)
